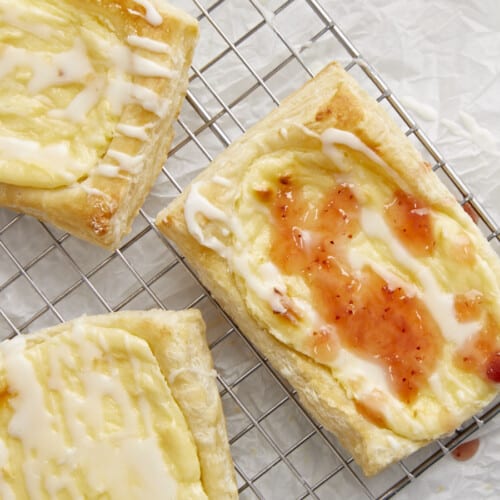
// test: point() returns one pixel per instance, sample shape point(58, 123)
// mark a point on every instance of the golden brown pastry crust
point(335, 100)
point(103, 211)
point(177, 341)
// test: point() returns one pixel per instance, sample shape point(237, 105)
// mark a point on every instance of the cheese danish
point(337, 250)
point(89, 91)
point(118, 406)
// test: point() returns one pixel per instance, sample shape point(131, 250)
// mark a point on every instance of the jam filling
point(377, 322)
point(481, 353)
point(410, 221)
point(370, 318)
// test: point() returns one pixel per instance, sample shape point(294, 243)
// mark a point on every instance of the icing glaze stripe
point(148, 44)
point(152, 16)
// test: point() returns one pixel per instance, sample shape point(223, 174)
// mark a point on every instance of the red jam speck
point(465, 451)
point(469, 210)
point(493, 368)
point(481, 353)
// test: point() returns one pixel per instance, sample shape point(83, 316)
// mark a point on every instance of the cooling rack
point(47, 276)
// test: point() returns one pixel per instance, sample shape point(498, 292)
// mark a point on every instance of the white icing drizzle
point(152, 16)
point(127, 61)
point(197, 204)
point(367, 375)
point(131, 164)
point(221, 181)
point(65, 67)
point(91, 191)
point(134, 131)
point(127, 162)
point(359, 258)
point(31, 423)
point(27, 151)
point(107, 170)
point(266, 281)
point(120, 92)
point(145, 409)
point(331, 136)
point(146, 67)
point(148, 44)
point(82, 103)
point(421, 211)
point(440, 304)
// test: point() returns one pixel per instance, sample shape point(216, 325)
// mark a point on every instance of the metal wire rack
point(58, 277)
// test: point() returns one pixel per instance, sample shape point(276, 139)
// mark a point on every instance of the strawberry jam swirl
point(361, 311)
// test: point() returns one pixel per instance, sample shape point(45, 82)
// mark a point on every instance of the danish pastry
point(123, 405)
point(341, 255)
point(89, 91)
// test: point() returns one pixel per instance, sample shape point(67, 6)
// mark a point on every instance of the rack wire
point(275, 444)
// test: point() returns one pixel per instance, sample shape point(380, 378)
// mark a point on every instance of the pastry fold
point(340, 254)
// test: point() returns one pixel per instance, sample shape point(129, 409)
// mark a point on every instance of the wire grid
point(276, 446)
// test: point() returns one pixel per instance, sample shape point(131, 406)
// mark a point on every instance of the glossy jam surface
point(481, 353)
point(410, 220)
point(370, 318)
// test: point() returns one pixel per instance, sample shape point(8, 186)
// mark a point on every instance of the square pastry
point(122, 405)
point(337, 250)
point(89, 91)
